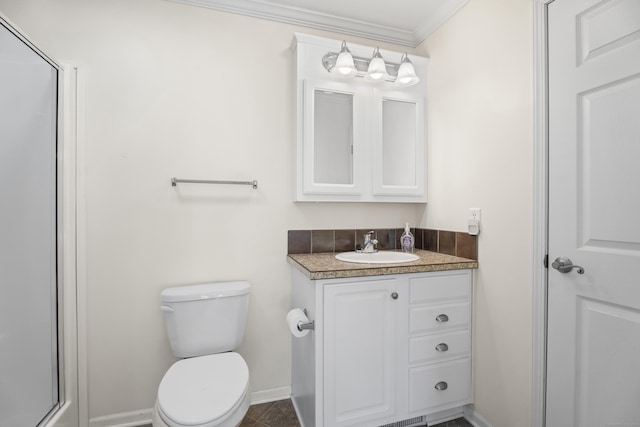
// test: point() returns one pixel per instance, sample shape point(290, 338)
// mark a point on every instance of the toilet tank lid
point(205, 291)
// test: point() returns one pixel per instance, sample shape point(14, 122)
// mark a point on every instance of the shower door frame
point(72, 407)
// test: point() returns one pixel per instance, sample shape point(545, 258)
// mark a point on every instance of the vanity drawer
point(436, 348)
point(440, 287)
point(423, 319)
point(440, 386)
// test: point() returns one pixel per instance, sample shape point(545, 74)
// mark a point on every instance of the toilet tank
point(206, 318)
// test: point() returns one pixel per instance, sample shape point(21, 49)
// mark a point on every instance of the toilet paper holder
point(306, 325)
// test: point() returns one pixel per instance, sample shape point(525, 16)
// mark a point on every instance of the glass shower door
point(28, 241)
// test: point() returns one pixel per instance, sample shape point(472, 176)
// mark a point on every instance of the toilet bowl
point(209, 387)
point(205, 391)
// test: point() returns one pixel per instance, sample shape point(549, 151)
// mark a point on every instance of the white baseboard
point(143, 416)
point(124, 419)
point(474, 418)
point(271, 395)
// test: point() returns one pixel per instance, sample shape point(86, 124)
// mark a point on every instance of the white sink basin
point(382, 257)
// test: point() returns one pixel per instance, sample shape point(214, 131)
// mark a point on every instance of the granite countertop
point(326, 266)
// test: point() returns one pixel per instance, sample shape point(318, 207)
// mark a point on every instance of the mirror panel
point(332, 137)
point(398, 143)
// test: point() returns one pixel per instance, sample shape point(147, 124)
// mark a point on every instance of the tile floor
point(459, 422)
point(281, 414)
point(272, 414)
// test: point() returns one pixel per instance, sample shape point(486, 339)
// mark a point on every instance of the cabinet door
point(399, 144)
point(333, 131)
point(360, 352)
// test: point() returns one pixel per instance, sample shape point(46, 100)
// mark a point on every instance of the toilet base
point(233, 420)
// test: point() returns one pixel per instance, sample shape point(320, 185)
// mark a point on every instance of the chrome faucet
point(369, 245)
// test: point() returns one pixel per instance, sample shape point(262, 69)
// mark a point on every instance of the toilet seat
point(203, 391)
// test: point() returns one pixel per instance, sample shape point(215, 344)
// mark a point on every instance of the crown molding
point(331, 23)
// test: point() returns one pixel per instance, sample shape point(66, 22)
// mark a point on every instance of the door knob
point(564, 265)
point(394, 295)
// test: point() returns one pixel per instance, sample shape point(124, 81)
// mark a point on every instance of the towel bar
point(175, 181)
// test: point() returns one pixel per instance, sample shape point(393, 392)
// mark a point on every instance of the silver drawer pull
point(442, 386)
point(442, 347)
point(442, 318)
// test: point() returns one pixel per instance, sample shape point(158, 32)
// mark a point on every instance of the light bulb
point(344, 63)
point(406, 73)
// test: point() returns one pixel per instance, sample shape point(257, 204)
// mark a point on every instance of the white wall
point(480, 155)
point(174, 90)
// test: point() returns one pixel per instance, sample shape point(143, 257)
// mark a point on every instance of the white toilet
point(210, 387)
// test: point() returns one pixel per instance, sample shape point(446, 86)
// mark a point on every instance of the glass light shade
point(345, 66)
point(377, 70)
point(406, 73)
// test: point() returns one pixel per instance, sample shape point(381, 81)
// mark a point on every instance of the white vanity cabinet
point(386, 349)
point(357, 141)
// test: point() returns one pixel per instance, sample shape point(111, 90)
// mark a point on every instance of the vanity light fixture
point(344, 64)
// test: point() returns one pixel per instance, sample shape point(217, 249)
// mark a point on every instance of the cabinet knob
point(442, 347)
point(442, 386)
point(442, 318)
point(394, 295)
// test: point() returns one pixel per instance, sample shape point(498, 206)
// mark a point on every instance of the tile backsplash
point(446, 242)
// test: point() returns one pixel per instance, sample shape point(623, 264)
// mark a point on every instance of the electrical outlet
point(473, 224)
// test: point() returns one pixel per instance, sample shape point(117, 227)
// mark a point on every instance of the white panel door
point(593, 359)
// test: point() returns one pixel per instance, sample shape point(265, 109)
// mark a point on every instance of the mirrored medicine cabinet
point(357, 140)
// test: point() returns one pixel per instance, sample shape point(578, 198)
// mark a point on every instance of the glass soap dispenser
point(406, 240)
